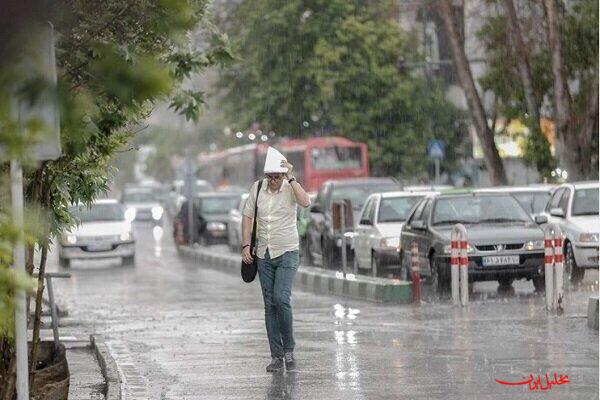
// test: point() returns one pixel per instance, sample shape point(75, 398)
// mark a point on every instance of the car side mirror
point(366, 222)
point(541, 219)
point(316, 209)
point(557, 212)
point(418, 225)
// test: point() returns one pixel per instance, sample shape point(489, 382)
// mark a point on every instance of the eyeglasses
point(273, 177)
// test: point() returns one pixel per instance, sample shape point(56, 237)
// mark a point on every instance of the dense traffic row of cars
point(505, 228)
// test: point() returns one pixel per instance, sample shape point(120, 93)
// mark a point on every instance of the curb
point(592, 314)
point(320, 281)
point(108, 366)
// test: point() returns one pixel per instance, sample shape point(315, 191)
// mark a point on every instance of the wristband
point(243, 247)
point(292, 179)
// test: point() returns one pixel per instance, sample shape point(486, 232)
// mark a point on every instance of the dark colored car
point(324, 246)
point(211, 214)
point(505, 243)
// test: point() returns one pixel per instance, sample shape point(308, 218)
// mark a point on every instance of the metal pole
point(16, 177)
point(437, 171)
point(190, 207)
point(343, 227)
point(53, 311)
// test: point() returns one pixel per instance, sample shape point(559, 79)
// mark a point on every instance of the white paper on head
point(273, 161)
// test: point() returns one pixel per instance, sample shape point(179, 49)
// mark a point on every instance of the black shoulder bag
point(249, 270)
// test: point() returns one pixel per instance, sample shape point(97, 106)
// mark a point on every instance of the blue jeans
point(276, 278)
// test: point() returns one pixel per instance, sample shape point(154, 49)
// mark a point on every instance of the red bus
point(315, 161)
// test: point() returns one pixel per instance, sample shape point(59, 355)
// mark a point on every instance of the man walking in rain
point(277, 249)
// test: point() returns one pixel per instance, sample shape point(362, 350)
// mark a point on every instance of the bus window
point(336, 157)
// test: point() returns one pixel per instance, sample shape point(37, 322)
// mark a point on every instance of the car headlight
point(588, 237)
point(448, 249)
point(71, 239)
point(389, 242)
point(534, 245)
point(157, 212)
point(130, 214)
point(216, 226)
point(126, 235)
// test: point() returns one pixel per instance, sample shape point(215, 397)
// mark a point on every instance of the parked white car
point(377, 234)
point(234, 225)
point(574, 207)
point(103, 232)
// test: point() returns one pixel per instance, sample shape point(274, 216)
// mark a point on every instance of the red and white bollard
point(553, 267)
point(549, 267)
point(416, 271)
point(459, 264)
point(558, 270)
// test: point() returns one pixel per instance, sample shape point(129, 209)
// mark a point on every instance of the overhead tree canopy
point(321, 67)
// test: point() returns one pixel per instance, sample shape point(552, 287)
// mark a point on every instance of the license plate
point(99, 246)
point(500, 260)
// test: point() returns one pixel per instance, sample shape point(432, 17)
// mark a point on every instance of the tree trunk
point(539, 147)
point(484, 133)
point(522, 57)
point(566, 143)
point(38, 313)
point(589, 128)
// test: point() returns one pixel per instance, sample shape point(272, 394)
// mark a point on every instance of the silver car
point(574, 207)
point(234, 225)
point(377, 233)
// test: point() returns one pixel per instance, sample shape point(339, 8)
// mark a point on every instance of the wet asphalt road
point(185, 331)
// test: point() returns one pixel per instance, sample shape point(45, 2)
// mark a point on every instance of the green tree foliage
point(314, 66)
point(115, 61)
point(580, 43)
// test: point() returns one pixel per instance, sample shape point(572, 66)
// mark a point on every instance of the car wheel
point(64, 262)
point(309, 256)
point(405, 267)
point(438, 281)
point(355, 264)
point(505, 282)
point(326, 254)
point(572, 273)
point(202, 241)
point(375, 265)
point(129, 260)
point(539, 283)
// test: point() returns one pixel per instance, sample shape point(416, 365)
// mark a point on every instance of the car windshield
point(585, 202)
point(396, 209)
point(358, 194)
point(139, 197)
point(218, 205)
point(533, 202)
point(479, 209)
point(99, 213)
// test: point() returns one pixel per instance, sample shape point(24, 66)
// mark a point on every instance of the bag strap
point(253, 240)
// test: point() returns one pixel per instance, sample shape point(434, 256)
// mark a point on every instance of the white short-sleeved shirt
point(276, 219)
